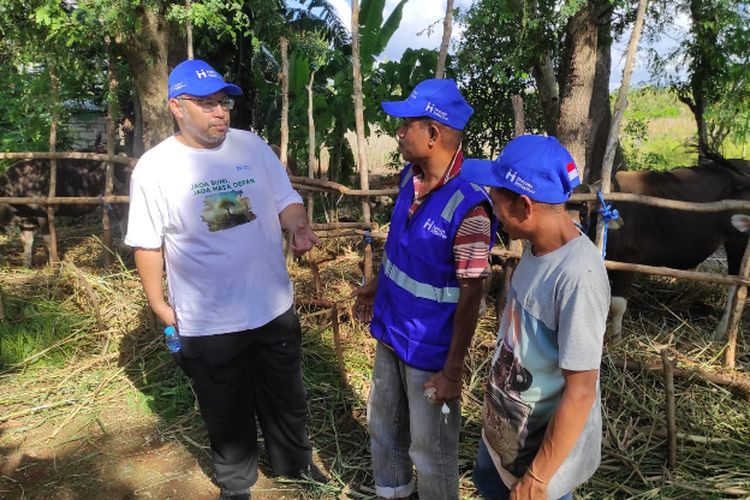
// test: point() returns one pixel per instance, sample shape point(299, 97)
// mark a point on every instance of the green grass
point(34, 325)
point(659, 132)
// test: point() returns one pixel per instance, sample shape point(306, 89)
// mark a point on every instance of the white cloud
point(669, 40)
point(421, 24)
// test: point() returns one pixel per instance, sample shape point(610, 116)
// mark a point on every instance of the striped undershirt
point(471, 244)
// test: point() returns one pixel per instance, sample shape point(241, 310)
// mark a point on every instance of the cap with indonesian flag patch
point(533, 165)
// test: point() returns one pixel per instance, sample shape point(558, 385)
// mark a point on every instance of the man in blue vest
point(424, 304)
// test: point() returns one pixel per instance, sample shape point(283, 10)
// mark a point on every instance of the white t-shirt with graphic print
point(216, 213)
point(554, 319)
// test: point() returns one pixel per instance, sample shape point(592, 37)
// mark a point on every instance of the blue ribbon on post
point(608, 214)
point(367, 237)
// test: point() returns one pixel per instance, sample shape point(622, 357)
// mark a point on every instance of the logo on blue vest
point(433, 228)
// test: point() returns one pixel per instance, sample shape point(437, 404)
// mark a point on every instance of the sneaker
point(311, 472)
point(234, 495)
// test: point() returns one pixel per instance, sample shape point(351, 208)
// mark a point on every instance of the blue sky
point(420, 15)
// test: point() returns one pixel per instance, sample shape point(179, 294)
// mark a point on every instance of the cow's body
point(30, 178)
point(673, 238)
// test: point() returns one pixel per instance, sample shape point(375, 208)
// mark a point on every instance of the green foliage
point(657, 131)
point(714, 53)
point(496, 55)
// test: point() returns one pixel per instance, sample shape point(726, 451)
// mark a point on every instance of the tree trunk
point(109, 179)
point(284, 141)
point(189, 33)
point(359, 118)
point(52, 230)
point(447, 27)
point(310, 144)
point(147, 52)
point(600, 112)
point(580, 64)
point(546, 86)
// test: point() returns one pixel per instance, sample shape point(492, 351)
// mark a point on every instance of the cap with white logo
point(438, 99)
point(534, 165)
point(196, 77)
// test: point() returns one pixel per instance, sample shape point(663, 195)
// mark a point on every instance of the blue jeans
point(408, 431)
point(488, 481)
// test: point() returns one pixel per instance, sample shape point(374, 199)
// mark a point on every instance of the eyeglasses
point(208, 105)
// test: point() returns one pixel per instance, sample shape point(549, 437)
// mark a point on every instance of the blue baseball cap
point(438, 99)
point(196, 77)
point(534, 165)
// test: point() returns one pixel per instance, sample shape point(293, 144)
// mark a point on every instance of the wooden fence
point(735, 303)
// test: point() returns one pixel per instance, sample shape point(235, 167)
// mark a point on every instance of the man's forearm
point(150, 265)
point(464, 325)
point(567, 423)
point(292, 216)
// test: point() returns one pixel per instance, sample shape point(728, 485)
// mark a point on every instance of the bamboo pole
point(68, 155)
point(736, 381)
point(359, 119)
point(310, 145)
point(735, 305)
point(620, 104)
point(668, 366)
point(52, 231)
point(109, 177)
point(337, 342)
point(63, 200)
point(654, 270)
point(447, 28)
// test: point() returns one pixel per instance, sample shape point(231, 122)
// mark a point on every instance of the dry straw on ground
point(122, 364)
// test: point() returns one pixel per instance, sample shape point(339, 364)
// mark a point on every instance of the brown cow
point(672, 238)
point(30, 178)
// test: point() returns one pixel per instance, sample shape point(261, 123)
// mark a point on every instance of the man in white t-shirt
point(210, 202)
point(541, 425)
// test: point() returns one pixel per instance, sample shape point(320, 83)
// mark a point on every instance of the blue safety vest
point(417, 285)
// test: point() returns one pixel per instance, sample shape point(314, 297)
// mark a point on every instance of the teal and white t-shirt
point(554, 319)
point(216, 214)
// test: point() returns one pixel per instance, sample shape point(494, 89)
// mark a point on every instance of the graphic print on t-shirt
point(226, 210)
point(505, 411)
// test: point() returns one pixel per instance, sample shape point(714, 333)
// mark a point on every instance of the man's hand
point(364, 298)
point(445, 389)
point(165, 313)
point(304, 238)
point(528, 488)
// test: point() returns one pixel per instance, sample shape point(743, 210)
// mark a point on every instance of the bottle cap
point(169, 330)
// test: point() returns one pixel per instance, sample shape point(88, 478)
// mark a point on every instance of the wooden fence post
point(515, 246)
point(735, 306)
point(668, 367)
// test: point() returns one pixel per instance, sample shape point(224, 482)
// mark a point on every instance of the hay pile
point(107, 348)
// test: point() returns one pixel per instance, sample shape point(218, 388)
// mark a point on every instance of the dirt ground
point(119, 455)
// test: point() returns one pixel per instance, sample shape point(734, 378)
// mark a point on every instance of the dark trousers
point(243, 375)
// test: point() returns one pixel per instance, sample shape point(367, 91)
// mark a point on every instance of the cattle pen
point(317, 304)
point(735, 303)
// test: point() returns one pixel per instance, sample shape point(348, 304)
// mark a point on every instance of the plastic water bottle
point(173, 339)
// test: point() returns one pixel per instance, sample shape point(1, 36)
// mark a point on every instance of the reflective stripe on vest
point(452, 205)
point(444, 295)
